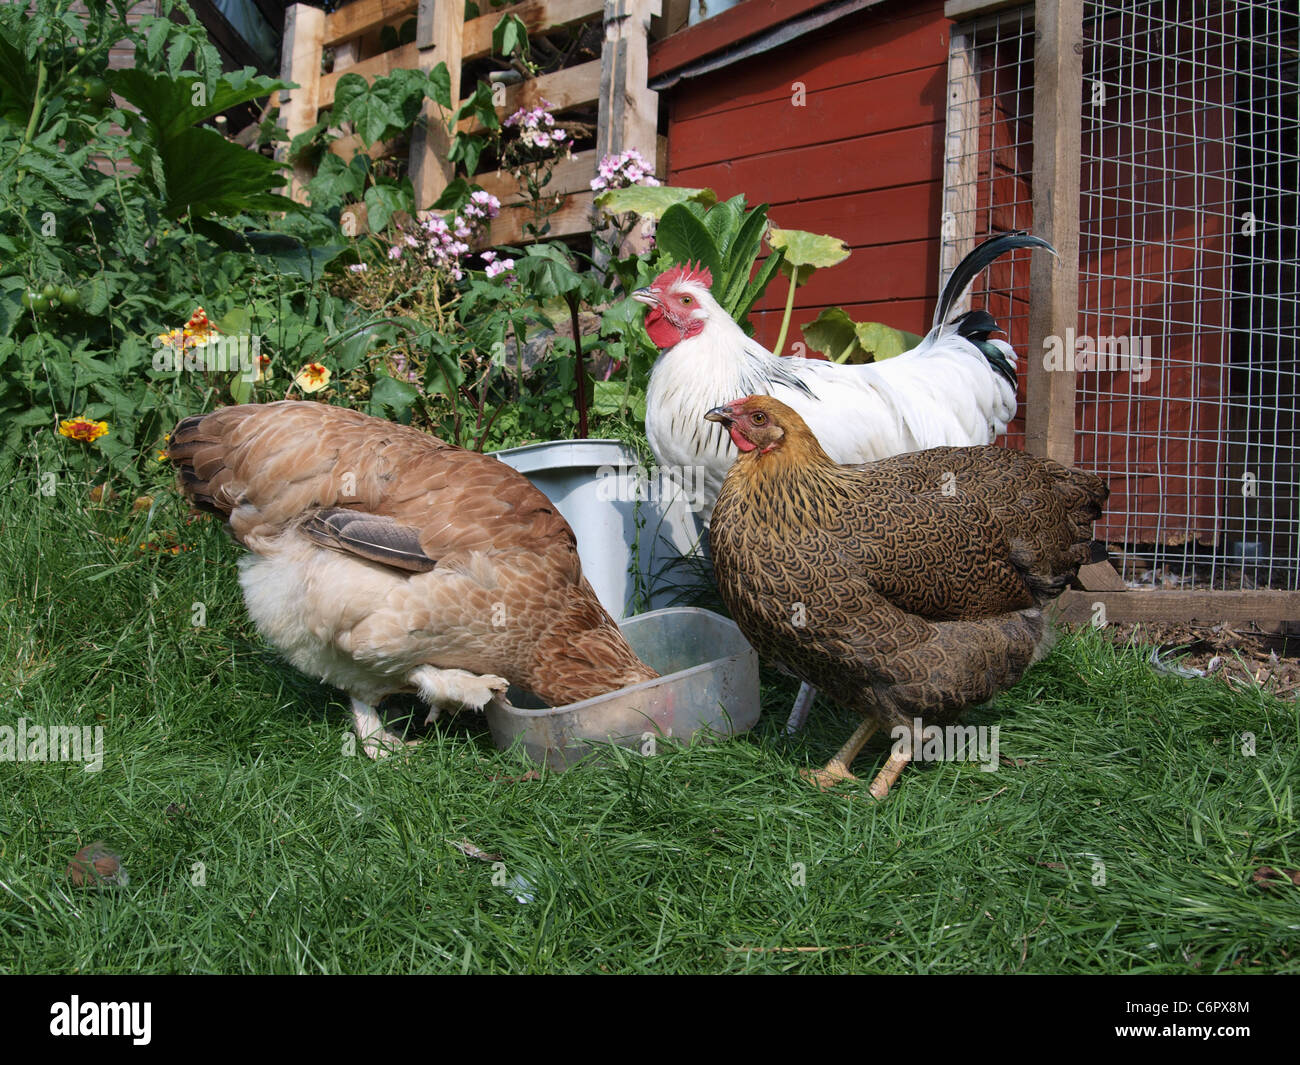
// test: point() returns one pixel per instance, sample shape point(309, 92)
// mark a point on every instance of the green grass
point(313, 861)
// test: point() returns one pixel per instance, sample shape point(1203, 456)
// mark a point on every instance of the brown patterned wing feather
point(904, 588)
point(473, 568)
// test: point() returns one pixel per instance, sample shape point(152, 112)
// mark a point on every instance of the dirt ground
point(1241, 658)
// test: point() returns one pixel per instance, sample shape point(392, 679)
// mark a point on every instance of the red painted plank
point(871, 217)
point(900, 157)
point(874, 43)
point(712, 35)
point(837, 114)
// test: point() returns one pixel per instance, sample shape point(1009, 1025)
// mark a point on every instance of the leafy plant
point(803, 253)
point(839, 338)
point(727, 239)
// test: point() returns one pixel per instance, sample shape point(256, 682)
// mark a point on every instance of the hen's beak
point(647, 296)
point(720, 414)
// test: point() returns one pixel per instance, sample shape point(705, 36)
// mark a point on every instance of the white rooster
point(956, 388)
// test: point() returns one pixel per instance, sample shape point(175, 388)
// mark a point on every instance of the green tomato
point(50, 292)
point(30, 298)
point(69, 297)
point(96, 91)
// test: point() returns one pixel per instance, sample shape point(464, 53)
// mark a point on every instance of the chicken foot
point(376, 740)
point(837, 768)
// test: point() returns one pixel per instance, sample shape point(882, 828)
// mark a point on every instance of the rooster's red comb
point(696, 272)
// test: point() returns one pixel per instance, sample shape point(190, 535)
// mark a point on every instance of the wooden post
point(439, 31)
point(629, 111)
point(304, 32)
point(1054, 283)
point(960, 161)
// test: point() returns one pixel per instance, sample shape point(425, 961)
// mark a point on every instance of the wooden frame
point(1054, 300)
point(627, 112)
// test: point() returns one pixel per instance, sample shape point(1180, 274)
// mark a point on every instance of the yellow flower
point(83, 429)
point(197, 332)
point(312, 377)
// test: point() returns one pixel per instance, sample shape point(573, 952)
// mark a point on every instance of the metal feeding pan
point(707, 687)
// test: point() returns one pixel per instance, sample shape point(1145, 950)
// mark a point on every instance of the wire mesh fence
point(1185, 345)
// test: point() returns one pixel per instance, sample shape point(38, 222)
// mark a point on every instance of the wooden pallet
point(627, 109)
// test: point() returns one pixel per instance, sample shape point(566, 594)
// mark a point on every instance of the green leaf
point(478, 105)
point(832, 333)
point(510, 35)
point(723, 221)
point(879, 341)
point(171, 105)
point(839, 338)
point(466, 148)
point(439, 87)
point(373, 111)
point(17, 84)
point(806, 251)
point(754, 290)
point(545, 274)
point(382, 201)
point(744, 250)
point(651, 201)
point(455, 195)
point(685, 239)
point(241, 388)
point(207, 174)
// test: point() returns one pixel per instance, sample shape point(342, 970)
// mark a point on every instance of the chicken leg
point(377, 741)
point(799, 712)
point(837, 768)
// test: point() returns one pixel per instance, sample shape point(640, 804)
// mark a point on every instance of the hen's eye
point(686, 301)
point(759, 418)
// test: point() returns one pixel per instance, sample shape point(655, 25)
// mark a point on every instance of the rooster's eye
point(686, 300)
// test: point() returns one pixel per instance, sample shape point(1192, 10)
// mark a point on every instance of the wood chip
point(469, 850)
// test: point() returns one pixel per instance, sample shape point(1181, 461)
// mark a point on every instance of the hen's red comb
point(696, 272)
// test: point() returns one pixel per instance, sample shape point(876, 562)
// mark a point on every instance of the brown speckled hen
point(385, 560)
point(906, 588)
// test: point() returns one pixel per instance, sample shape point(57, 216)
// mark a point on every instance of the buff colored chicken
point(909, 588)
point(385, 560)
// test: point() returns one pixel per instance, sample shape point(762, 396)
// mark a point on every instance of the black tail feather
point(982, 256)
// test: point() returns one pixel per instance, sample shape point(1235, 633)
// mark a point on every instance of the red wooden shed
point(909, 130)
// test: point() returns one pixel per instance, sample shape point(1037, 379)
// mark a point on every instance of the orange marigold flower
point(83, 429)
point(312, 377)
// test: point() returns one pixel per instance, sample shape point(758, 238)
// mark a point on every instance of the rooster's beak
point(647, 296)
point(720, 414)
